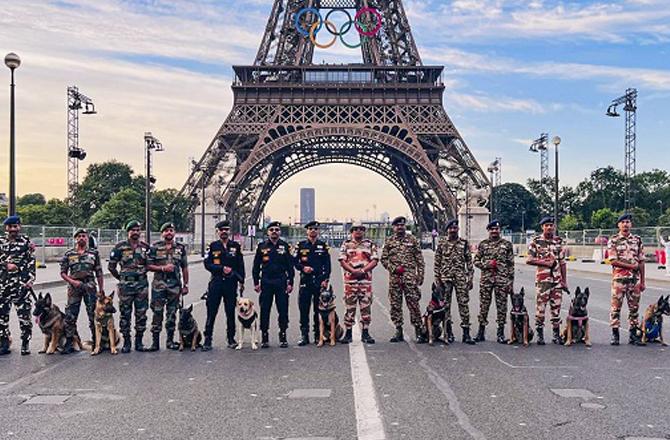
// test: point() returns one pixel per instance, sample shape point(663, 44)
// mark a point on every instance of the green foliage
point(570, 223)
point(604, 218)
point(161, 213)
point(664, 220)
point(125, 205)
point(102, 182)
point(515, 205)
point(31, 199)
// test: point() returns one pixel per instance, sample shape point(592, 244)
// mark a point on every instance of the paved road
point(385, 391)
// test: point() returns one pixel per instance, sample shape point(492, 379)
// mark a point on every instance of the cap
point(223, 224)
point(274, 225)
point(80, 231)
point(625, 216)
point(133, 224)
point(547, 219)
point(493, 224)
point(357, 224)
point(167, 225)
point(399, 221)
point(312, 224)
point(452, 222)
point(12, 220)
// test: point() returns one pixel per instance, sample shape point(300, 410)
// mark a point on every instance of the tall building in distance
point(307, 205)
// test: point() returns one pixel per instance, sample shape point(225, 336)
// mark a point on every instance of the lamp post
point(12, 61)
point(150, 143)
point(556, 141)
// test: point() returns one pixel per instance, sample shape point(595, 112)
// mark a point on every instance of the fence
point(598, 237)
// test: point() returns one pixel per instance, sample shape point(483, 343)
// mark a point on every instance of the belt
point(132, 278)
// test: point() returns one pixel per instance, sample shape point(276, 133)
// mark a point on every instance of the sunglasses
point(224, 229)
point(357, 229)
point(273, 229)
point(312, 229)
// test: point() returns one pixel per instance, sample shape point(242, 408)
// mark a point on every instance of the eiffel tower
point(386, 115)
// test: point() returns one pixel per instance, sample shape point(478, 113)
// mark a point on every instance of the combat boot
point(207, 345)
point(25, 347)
point(449, 337)
point(346, 339)
point(481, 336)
point(126, 344)
point(501, 334)
point(540, 335)
point(398, 337)
point(169, 341)
point(264, 340)
point(420, 337)
point(155, 342)
point(557, 336)
point(139, 345)
point(282, 339)
point(4, 346)
point(67, 348)
point(365, 337)
point(316, 335)
point(634, 337)
point(304, 338)
point(466, 336)
point(615, 337)
point(232, 343)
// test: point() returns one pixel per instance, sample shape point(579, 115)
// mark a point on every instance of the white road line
point(368, 419)
point(534, 367)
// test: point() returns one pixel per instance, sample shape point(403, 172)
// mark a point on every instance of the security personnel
point(545, 251)
point(273, 279)
point(626, 253)
point(402, 257)
point(169, 260)
point(312, 260)
point(131, 256)
point(81, 268)
point(17, 274)
point(495, 259)
point(225, 263)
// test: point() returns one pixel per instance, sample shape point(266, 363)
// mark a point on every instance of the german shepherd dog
point(652, 325)
point(577, 324)
point(247, 319)
point(434, 320)
point(52, 323)
point(329, 322)
point(520, 330)
point(106, 336)
point(189, 335)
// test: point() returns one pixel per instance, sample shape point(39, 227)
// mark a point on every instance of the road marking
point(534, 367)
point(368, 419)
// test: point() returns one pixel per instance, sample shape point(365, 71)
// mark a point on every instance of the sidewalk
point(652, 272)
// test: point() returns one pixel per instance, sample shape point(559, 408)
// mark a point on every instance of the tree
point(32, 214)
point(570, 223)
point(569, 201)
point(604, 218)
point(603, 189)
point(515, 205)
point(161, 213)
point(124, 206)
point(102, 182)
point(59, 213)
point(31, 199)
point(664, 220)
point(641, 217)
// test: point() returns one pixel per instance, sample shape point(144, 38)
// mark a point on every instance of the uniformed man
point(454, 271)
point(312, 260)
point(169, 260)
point(358, 257)
point(133, 287)
point(626, 253)
point(273, 278)
point(403, 259)
point(495, 259)
point(81, 268)
point(545, 251)
point(225, 263)
point(17, 274)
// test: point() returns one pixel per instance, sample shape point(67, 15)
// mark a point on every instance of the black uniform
point(223, 286)
point(273, 270)
point(315, 255)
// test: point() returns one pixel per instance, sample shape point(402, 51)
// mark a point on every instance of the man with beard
point(169, 260)
point(133, 287)
point(225, 263)
point(17, 274)
point(80, 268)
point(273, 279)
point(626, 253)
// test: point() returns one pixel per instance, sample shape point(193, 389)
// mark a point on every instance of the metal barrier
point(599, 237)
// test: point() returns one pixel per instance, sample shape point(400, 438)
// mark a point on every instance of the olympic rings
point(312, 29)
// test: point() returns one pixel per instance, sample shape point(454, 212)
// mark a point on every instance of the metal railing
point(599, 237)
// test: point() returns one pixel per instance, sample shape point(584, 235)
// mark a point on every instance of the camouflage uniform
point(548, 281)
point(454, 270)
point(625, 283)
point(499, 279)
point(404, 252)
point(133, 286)
point(166, 286)
point(20, 253)
point(84, 267)
point(358, 255)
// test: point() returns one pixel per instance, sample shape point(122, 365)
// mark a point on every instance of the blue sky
point(514, 68)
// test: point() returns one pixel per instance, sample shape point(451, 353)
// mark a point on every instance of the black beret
point(80, 231)
point(493, 224)
point(547, 219)
point(223, 224)
point(273, 225)
point(133, 224)
point(452, 222)
point(12, 220)
point(398, 221)
point(625, 216)
point(312, 224)
point(167, 225)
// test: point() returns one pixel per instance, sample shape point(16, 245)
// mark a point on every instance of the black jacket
point(229, 255)
point(316, 256)
point(273, 263)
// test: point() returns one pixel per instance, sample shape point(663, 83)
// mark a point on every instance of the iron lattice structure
point(75, 102)
point(629, 102)
point(386, 115)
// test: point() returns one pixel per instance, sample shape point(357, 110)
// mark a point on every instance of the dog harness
point(580, 320)
point(247, 321)
point(653, 330)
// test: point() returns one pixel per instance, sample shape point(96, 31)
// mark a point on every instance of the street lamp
point(150, 143)
point(556, 141)
point(12, 61)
